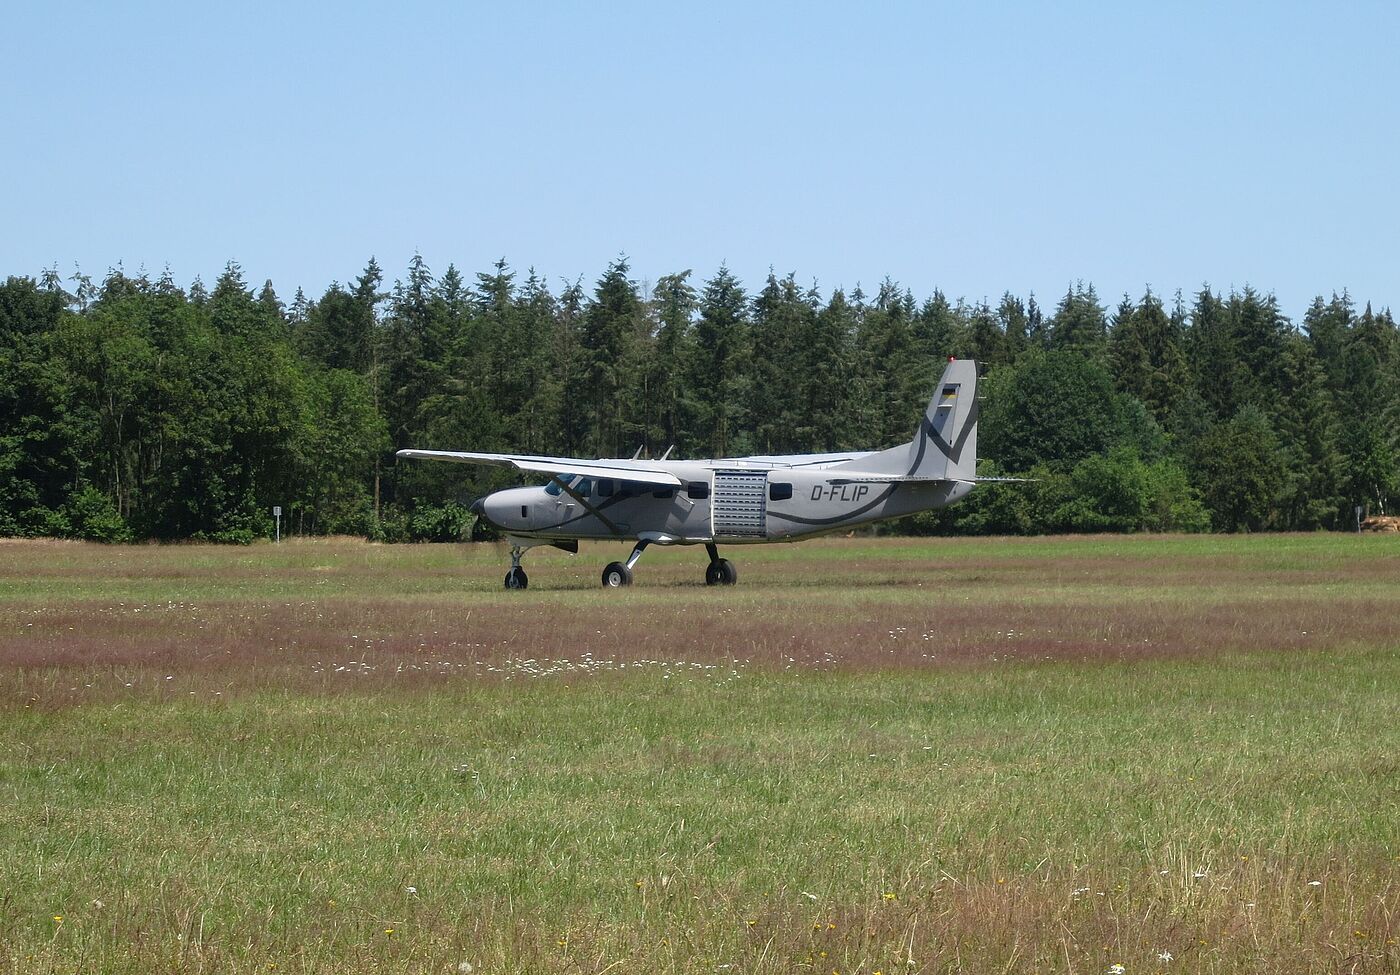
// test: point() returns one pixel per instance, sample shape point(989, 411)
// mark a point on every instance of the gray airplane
point(733, 500)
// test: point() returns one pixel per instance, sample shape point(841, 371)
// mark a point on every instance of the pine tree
point(1145, 355)
point(717, 371)
point(830, 377)
point(1015, 325)
point(673, 303)
point(1211, 353)
point(988, 343)
point(610, 326)
point(1036, 331)
point(1307, 426)
point(939, 330)
point(780, 323)
point(1079, 324)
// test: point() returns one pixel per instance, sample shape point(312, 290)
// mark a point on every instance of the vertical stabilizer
point(945, 445)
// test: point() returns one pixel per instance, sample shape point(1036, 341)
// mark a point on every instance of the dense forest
point(132, 408)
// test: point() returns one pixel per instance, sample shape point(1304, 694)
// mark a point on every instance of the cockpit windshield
point(554, 490)
point(577, 482)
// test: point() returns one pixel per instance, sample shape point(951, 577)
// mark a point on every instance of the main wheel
point(616, 575)
point(721, 572)
point(517, 579)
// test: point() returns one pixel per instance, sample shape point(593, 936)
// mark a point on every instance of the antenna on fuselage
point(638, 453)
point(668, 451)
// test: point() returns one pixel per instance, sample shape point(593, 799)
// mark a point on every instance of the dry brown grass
point(331, 615)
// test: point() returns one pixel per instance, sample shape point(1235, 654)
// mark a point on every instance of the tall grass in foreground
point(999, 801)
point(1240, 815)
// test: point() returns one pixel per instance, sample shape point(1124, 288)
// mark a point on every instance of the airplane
point(733, 500)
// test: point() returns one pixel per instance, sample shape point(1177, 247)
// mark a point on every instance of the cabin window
point(584, 487)
point(664, 493)
point(524, 511)
point(606, 487)
point(779, 492)
point(697, 490)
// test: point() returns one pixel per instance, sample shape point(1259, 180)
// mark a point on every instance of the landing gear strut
point(619, 574)
point(516, 577)
point(720, 572)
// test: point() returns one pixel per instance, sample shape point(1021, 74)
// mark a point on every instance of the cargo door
point(738, 504)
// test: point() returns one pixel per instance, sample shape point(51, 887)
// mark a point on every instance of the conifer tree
point(610, 326)
point(673, 306)
point(717, 370)
point(1079, 324)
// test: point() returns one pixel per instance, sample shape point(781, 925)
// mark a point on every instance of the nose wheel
point(516, 577)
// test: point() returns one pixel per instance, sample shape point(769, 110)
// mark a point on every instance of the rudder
point(945, 445)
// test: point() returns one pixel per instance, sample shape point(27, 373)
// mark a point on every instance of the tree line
point(133, 408)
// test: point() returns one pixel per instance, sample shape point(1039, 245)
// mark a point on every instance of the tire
point(616, 575)
point(721, 573)
point(517, 579)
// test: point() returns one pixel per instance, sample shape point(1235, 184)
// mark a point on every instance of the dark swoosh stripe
point(798, 519)
point(949, 450)
point(929, 434)
point(586, 514)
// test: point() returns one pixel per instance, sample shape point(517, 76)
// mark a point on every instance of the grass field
point(1175, 754)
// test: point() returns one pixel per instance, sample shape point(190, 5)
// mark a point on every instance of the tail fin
point(944, 447)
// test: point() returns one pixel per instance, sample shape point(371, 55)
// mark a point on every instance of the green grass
point(1230, 804)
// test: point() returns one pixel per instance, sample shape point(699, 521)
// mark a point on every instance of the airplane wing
point(622, 470)
point(857, 478)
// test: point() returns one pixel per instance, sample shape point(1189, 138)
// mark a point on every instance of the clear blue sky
point(974, 147)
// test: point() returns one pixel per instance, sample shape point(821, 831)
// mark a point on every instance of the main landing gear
point(720, 572)
point(616, 575)
point(619, 574)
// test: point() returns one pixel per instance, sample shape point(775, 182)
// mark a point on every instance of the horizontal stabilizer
point(622, 470)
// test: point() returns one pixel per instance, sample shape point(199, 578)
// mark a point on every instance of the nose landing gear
point(516, 577)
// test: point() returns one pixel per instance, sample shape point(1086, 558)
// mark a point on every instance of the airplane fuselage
point(733, 502)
